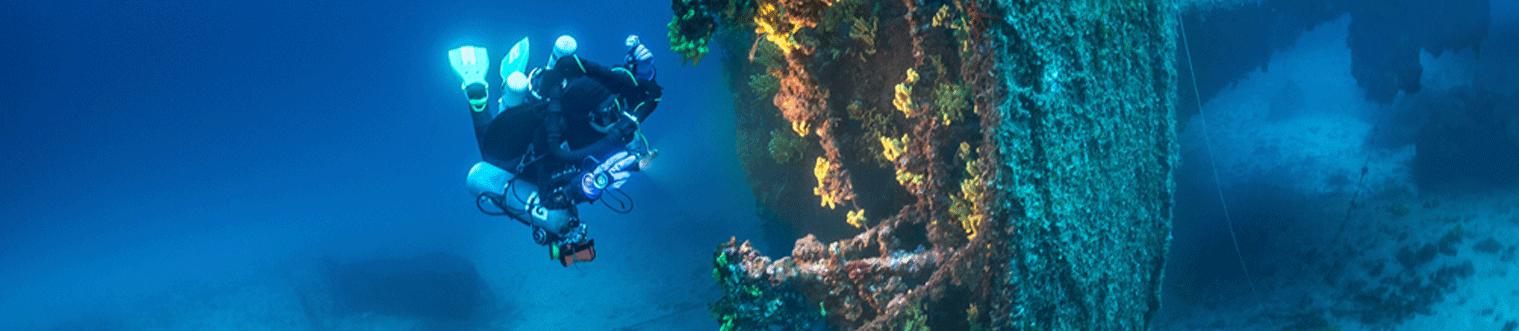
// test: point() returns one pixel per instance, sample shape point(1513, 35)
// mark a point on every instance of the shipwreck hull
point(974, 164)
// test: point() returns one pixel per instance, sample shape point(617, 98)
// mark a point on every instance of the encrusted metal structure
point(976, 164)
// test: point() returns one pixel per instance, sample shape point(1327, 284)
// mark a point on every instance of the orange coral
point(798, 98)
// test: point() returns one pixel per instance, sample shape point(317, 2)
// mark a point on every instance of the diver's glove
point(611, 173)
point(640, 59)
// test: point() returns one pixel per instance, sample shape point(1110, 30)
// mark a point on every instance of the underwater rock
point(1385, 38)
point(1387, 35)
point(1401, 296)
point(1255, 31)
point(1001, 164)
point(1450, 239)
point(1412, 259)
point(1489, 246)
point(435, 287)
point(1468, 143)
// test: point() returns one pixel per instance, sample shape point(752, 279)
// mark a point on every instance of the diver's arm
point(644, 95)
point(605, 144)
point(620, 136)
point(618, 80)
point(643, 108)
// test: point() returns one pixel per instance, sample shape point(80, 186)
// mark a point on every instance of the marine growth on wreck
point(973, 164)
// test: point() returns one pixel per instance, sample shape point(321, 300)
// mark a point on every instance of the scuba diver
point(564, 134)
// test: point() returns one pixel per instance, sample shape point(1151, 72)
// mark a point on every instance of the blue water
point(151, 145)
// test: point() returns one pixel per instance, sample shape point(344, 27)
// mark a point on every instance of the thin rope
point(1208, 145)
point(1350, 210)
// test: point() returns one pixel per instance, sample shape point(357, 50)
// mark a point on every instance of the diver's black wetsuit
point(530, 139)
point(526, 140)
point(638, 96)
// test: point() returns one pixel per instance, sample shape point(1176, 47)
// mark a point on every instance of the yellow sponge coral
point(905, 177)
point(857, 218)
point(944, 18)
point(903, 99)
point(893, 148)
point(801, 128)
point(966, 207)
point(770, 21)
point(821, 172)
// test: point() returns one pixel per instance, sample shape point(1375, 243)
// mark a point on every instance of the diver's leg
point(480, 115)
point(471, 63)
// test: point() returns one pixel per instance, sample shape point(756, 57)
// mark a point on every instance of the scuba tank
point(515, 90)
point(519, 200)
point(513, 74)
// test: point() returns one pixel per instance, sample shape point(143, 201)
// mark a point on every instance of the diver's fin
point(515, 60)
point(471, 63)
